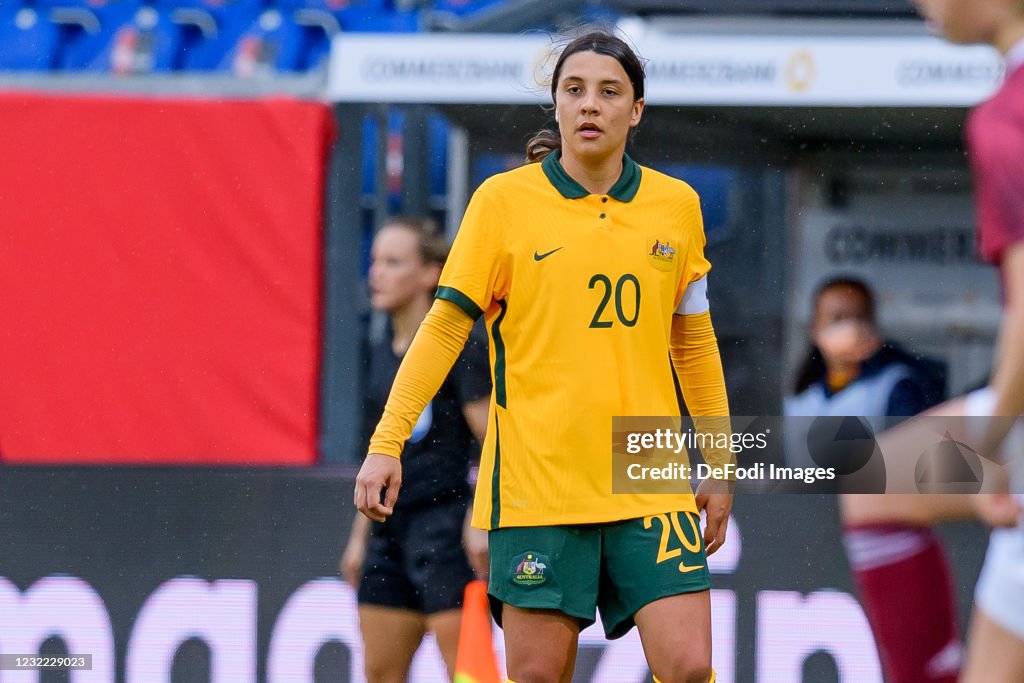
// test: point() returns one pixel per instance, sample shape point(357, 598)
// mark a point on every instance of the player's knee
point(685, 670)
point(539, 671)
point(698, 674)
point(383, 672)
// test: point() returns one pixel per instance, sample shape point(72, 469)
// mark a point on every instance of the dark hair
point(813, 369)
point(433, 245)
point(848, 282)
point(546, 140)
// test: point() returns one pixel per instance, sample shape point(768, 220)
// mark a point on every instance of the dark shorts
point(416, 561)
point(617, 567)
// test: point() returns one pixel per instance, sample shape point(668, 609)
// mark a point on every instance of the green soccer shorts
point(615, 567)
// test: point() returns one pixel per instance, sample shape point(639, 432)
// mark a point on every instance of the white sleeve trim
point(695, 298)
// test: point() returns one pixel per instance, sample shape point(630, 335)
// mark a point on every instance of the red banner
point(160, 272)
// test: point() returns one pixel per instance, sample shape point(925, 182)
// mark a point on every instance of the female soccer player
point(410, 573)
point(590, 274)
point(995, 137)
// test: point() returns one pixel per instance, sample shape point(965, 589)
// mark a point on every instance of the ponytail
point(543, 143)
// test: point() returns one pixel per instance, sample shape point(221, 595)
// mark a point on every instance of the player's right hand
point(475, 543)
point(378, 473)
point(997, 509)
point(714, 498)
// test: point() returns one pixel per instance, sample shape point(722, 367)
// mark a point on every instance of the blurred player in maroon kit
point(995, 137)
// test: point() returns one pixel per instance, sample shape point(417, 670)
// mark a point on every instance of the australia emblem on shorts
point(529, 569)
point(662, 251)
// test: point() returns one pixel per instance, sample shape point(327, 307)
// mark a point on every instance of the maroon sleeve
point(997, 155)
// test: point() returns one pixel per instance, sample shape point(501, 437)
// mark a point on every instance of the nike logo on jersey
point(541, 257)
point(686, 569)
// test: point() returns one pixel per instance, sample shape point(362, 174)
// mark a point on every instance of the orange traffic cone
point(476, 661)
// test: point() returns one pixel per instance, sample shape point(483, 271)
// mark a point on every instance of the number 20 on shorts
point(670, 526)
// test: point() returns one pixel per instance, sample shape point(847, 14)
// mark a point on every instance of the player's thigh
point(676, 636)
point(540, 644)
point(996, 639)
point(390, 639)
point(434, 559)
point(445, 627)
point(543, 586)
point(645, 560)
point(993, 652)
point(546, 568)
point(385, 582)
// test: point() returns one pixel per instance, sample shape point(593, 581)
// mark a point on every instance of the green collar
point(624, 189)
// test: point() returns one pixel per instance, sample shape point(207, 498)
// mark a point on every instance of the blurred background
point(188, 190)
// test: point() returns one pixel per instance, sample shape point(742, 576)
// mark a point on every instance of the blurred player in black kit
point(411, 572)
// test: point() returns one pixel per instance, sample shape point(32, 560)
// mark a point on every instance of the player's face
point(398, 274)
point(594, 107)
point(843, 329)
point(965, 21)
point(841, 304)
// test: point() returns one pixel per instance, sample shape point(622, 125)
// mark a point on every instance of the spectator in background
point(847, 353)
point(898, 563)
point(411, 572)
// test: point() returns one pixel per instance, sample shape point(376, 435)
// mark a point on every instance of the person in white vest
point(899, 565)
point(995, 144)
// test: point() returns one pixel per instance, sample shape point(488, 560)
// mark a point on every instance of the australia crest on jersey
point(661, 254)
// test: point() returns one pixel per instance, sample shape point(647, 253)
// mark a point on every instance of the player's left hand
point(714, 498)
point(352, 561)
point(474, 541)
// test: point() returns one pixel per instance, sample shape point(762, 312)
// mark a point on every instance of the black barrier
point(194, 575)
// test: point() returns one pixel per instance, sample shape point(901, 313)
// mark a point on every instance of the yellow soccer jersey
point(578, 293)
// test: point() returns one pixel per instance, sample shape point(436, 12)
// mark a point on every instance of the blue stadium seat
point(245, 37)
point(272, 44)
point(464, 7)
point(135, 44)
point(357, 15)
point(382, 22)
point(291, 36)
point(87, 31)
point(29, 41)
point(295, 35)
point(316, 29)
point(197, 35)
